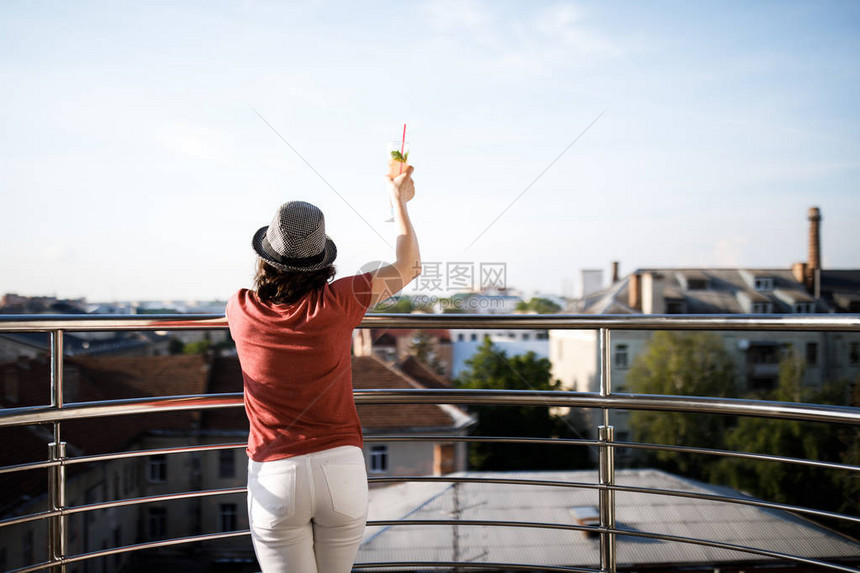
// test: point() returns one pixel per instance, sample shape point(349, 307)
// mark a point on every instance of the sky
point(143, 143)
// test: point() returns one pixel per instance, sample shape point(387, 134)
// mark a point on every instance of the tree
point(422, 348)
point(790, 483)
point(539, 305)
point(685, 364)
point(175, 346)
point(492, 369)
point(198, 347)
point(395, 305)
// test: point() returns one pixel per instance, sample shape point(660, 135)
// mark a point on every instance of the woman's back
point(296, 367)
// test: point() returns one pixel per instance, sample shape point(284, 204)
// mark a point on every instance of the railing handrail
point(59, 411)
point(758, 322)
point(553, 398)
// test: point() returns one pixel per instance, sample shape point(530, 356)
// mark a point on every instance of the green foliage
point(398, 305)
point(422, 348)
point(492, 369)
point(790, 483)
point(175, 346)
point(698, 365)
point(449, 306)
point(539, 305)
point(686, 364)
point(199, 347)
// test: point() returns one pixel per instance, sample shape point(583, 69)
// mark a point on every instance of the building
point(396, 344)
point(395, 458)
point(26, 382)
point(805, 288)
point(465, 343)
point(729, 523)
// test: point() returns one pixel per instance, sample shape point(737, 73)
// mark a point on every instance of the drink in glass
point(397, 153)
point(398, 157)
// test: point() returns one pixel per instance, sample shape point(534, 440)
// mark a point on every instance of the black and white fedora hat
point(296, 240)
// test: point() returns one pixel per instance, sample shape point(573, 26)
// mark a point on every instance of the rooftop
point(767, 529)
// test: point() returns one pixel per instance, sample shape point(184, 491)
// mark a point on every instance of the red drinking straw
point(402, 147)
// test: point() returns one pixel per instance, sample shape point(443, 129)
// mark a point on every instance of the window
point(804, 308)
point(93, 495)
point(854, 353)
point(675, 307)
point(128, 479)
point(461, 337)
point(623, 453)
point(473, 337)
point(227, 517)
point(10, 388)
point(226, 464)
point(157, 522)
point(158, 468)
point(117, 542)
point(379, 458)
point(543, 335)
point(621, 356)
point(762, 308)
point(526, 336)
point(812, 353)
point(697, 284)
point(28, 547)
point(763, 283)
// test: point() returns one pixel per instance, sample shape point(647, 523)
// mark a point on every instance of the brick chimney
point(798, 270)
point(614, 272)
point(814, 262)
point(634, 292)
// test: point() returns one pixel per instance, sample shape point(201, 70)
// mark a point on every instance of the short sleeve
point(353, 294)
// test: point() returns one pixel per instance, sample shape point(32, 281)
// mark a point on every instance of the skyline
point(139, 152)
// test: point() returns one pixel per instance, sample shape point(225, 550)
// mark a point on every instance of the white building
point(465, 342)
point(806, 288)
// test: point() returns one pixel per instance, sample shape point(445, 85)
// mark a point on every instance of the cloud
point(456, 16)
point(565, 28)
point(541, 40)
point(194, 142)
point(728, 252)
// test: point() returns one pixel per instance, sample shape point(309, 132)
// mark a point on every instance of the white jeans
point(308, 513)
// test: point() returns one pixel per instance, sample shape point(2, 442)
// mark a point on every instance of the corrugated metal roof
point(723, 522)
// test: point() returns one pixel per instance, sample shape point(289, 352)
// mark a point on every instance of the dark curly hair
point(286, 287)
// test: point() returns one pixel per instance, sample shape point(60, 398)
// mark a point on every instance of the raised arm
point(390, 279)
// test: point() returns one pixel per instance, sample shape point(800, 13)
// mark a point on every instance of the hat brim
point(328, 259)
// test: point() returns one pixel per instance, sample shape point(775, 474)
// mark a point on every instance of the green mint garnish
point(397, 156)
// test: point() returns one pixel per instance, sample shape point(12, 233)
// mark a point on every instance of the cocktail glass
point(397, 153)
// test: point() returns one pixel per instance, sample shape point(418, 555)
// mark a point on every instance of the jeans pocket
point(347, 485)
point(271, 497)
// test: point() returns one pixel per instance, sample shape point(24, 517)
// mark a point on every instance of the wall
point(512, 342)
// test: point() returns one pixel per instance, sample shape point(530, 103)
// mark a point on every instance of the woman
point(307, 485)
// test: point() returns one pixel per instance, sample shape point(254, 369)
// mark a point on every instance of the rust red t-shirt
point(296, 366)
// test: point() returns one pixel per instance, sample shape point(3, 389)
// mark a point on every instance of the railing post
point(607, 498)
point(606, 461)
point(57, 451)
point(57, 492)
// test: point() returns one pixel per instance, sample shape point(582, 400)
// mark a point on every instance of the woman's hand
point(402, 188)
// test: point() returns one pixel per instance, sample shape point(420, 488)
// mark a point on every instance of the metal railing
point(606, 400)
